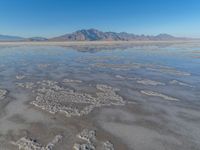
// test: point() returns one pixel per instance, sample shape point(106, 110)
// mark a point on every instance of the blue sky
point(56, 17)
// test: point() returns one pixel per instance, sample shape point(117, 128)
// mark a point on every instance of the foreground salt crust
point(89, 138)
point(26, 143)
point(55, 99)
point(152, 93)
point(3, 94)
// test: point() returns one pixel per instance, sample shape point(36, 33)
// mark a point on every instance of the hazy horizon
point(30, 18)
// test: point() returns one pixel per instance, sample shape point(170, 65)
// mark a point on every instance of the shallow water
point(166, 116)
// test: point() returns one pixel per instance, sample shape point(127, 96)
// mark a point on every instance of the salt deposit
point(152, 93)
point(149, 82)
point(120, 77)
point(176, 82)
point(43, 65)
point(90, 140)
point(118, 66)
point(107, 96)
point(85, 146)
point(108, 146)
point(20, 77)
point(152, 67)
point(87, 135)
point(27, 85)
point(54, 99)
point(171, 71)
point(71, 81)
point(26, 143)
point(3, 94)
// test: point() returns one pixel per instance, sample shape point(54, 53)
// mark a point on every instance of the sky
point(49, 18)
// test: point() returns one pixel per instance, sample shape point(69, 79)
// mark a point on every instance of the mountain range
point(10, 38)
point(95, 35)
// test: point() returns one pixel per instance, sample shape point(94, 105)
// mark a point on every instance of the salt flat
point(99, 95)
